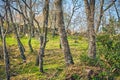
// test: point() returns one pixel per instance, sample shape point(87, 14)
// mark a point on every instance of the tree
point(90, 11)
point(102, 11)
point(31, 26)
point(43, 35)
point(62, 32)
point(20, 45)
point(76, 5)
point(29, 19)
point(5, 51)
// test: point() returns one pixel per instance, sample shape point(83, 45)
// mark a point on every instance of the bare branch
point(110, 5)
point(24, 1)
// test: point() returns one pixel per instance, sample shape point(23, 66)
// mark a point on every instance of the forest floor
point(54, 63)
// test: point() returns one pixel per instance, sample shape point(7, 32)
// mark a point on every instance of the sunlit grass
point(54, 62)
point(11, 41)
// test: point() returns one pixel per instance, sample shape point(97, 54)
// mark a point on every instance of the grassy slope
point(54, 65)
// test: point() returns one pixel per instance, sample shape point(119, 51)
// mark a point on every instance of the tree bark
point(0, 33)
point(43, 35)
point(54, 25)
point(30, 38)
point(90, 6)
point(100, 15)
point(6, 58)
point(41, 54)
point(31, 18)
point(62, 32)
point(20, 45)
point(31, 30)
point(5, 52)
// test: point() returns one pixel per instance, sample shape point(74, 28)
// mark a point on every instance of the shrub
point(110, 50)
point(90, 62)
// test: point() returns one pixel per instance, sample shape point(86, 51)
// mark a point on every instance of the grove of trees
point(94, 24)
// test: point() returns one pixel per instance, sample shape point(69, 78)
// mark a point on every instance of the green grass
point(54, 62)
point(11, 41)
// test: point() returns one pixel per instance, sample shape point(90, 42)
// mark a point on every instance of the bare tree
point(5, 51)
point(31, 26)
point(62, 32)
point(76, 6)
point(27, 18)
point(43, 36)
point(102, 11)
point(90, 11)
point(20, 45)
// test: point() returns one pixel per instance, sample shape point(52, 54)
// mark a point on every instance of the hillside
point(54, 63)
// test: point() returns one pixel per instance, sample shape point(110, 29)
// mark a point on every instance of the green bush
point(105, 41)
point(110, 50)
point(90, 62)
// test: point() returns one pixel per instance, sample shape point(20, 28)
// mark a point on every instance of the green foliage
point(54, 65)
point(109, 45)
point(75, 77)
point(109, 49)
point(97, 62)
point(90, 62)
point(105, 40)
point(110, 28)
point(51, 66)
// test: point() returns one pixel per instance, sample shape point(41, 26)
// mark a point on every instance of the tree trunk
point(31, 31)
point(22, 50)
point(24, 25)
point(29, 43)
point(92, 40)
point(5, 52)
point(60, 44)
point(41, 54)
point(30, 37)
point(6, 58)
point(62, 32)
point(31, 19)
point(43, 36)
point(91, 31)
point(20, 45)
point(0, 33)
point(54, 25)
